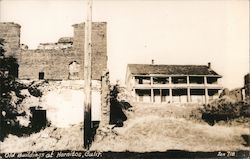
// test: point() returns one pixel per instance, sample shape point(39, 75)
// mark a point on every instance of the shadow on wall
point(117, 116)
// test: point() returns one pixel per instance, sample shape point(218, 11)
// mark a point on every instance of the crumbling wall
point(63, 43)
point(105, 99)
point(247, 85)
point(235, 94)
point(10, 32)
point(54, 62)
point(99, 46)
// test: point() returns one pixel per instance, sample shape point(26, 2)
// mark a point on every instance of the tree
point(1, 47)
point(8, 112)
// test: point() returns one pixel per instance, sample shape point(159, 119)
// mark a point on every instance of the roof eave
point(146, 74)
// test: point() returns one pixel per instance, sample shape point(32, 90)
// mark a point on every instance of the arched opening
point(74, 69)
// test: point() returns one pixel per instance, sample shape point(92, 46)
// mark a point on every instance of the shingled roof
point(146, 69)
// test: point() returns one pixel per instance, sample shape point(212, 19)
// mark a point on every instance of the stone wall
point(99, 46)
point(10, 32)
point(247, 85)
point(105, 99)
point(236, 94)
point(54, 63)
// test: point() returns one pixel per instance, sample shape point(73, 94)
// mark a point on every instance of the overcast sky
point(168, 31)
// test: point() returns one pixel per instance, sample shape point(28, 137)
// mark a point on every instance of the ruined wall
point(55, 62)
point(99, 46)
point(105, 99)
point(235, 94)
point(10, 32)
point(247, 85)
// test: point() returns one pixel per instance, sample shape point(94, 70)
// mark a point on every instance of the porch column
point(170, 90)
point(133, 87)
point(161, 95)
point(206, 90)
point(134, 95)
point(188, 90)
point(152, 91)
point(133, 81)
point(152, 95)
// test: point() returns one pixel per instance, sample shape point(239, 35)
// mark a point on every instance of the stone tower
point(10, 32)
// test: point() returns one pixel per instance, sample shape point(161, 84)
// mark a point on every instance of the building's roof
point(146, 69)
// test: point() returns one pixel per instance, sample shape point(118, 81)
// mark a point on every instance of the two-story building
point(172, 83)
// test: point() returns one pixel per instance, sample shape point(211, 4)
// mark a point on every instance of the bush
point(8, 87)
point(224, 109)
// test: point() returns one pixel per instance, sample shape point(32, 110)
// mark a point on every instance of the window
point(41, 75)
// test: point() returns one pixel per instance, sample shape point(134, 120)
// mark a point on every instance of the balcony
point(176, 82)
point(181, 85)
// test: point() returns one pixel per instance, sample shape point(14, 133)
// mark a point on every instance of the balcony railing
point(180, 85)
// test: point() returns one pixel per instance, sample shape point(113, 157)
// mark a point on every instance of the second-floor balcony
point(177, 82)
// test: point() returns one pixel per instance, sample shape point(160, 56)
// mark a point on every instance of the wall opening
point(74, 69)
point(157, 96)
point(41, 75)
point(179, 95)
point(143, 95)
point(165, 96)
point(197, 95)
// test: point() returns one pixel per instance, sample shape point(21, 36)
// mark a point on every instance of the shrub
point(224, 109)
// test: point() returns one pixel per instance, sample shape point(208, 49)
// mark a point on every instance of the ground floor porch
point(175, 95)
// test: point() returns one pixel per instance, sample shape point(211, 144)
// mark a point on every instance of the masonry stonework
point(10, 32)
point(55, 63)
point(247, 85)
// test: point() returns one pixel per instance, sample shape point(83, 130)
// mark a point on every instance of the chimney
point(153, 62)
point(209, 65)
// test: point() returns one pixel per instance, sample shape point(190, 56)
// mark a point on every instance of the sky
point(169, 31)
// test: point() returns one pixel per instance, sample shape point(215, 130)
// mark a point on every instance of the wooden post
point(152, 91)
point(87, 77)
point(188, 90)
point(170, 90)
point(206, 90)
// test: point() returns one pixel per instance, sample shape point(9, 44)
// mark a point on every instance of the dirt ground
point(145, 130)
point(49, 139)
point(148, 128)
point(154, 128)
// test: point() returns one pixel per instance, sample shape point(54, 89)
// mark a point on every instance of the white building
point(172, 83)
